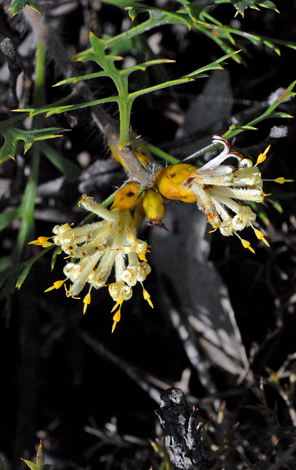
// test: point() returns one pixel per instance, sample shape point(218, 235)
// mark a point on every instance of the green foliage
point(243, 5)
point(120, 78)
point(39, 465)
point(13, 135)
point(18, 5)
point(195, 10)
point(240, 6)
point(196, 18)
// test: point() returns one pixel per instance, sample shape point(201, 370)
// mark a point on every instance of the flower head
point(222, 191)
point(95, 249)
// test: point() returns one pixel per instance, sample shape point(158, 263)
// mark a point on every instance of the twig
point(182, 436)
point(283, 459)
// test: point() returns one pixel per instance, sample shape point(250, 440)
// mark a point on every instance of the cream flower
point(222, 190)
point(95, 249)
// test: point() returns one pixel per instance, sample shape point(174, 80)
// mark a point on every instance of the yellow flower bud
point(56, 285)
point(115, 154)
point(139, 147)
point(116, 319)
point(141, 150)
point(42, 241)
point(262, 156)
point(171, 180)
point(125, 198)
point(282, 180)
point(247, 244)
point(86, 301)
point(153, 206)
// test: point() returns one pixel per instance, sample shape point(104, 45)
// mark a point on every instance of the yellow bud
point(146, 296)
point(260, 236)
point(115, 154)
point(56, 285)
point(139, 147)
point(141, 150)
point(86, 302)
point(172, 179)
point(247, 244)
point(153, 205)
point(116, 319)
point(142, 257)
point(125, 199)
point(282, 180)
point(42, 241)
point(262, 156)
point(139, 214)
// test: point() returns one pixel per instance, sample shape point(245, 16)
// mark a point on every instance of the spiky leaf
point(18, 5)
point(12, 135)
point(39, 465)
point(243, 5)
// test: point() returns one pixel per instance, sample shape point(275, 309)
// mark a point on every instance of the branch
point(182, 436)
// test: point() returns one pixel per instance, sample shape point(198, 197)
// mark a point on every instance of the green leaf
point(157, 17)
point(193, 10)
point(268, 114)
point(243, 5)
point(194, 16)
point(13, 135)
point(213, 66)
point(55, 254)
point(39, 465)
point(50, 110)
point(222, 34)
point(120, 78)
point(30, 464)
point(121, 3)
point(18, 5)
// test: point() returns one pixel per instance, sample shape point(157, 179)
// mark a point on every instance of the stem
point(160, 153)
point(125, 109)
point(28, 204)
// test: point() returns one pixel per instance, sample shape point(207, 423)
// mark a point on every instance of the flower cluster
point(220, 190)
point(96, 248)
